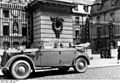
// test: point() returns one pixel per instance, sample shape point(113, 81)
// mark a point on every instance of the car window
point(51, 45)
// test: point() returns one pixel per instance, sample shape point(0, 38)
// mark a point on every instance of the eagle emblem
point(57, 25)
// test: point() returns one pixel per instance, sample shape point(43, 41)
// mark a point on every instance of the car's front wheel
point(80, 65)
point(20, 69)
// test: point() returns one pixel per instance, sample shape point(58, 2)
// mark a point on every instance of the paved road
point(92, 73)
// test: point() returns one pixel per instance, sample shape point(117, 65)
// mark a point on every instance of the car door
point(37, 58)
point(66, 56)
point(50, 57)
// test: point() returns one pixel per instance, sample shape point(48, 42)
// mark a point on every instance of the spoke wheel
point(20, 69)
point(80, 65)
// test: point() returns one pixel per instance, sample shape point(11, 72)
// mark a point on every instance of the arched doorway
point(98, 45)
point(15, 44)
point(24, 44)
point(6, 45)
point(113, 44)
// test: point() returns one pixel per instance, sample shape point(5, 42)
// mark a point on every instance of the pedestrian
point(118, 57)
point(109, 52)
point(61, 45)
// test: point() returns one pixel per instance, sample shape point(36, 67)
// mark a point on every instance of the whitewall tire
point(20, 69)
point(80, 65)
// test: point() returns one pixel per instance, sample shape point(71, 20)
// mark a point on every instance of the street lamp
point(110, 26)
point(87, 30)
point(110, 32)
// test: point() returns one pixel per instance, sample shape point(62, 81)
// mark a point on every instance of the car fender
point(84, 55)
point(12, 59)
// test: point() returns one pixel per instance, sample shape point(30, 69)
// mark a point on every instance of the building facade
point(105, 24)
point(79, 23)
point(81, 15)
point(51, 22)
point(13, 23)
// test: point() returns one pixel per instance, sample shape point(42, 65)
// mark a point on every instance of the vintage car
point(21, 63)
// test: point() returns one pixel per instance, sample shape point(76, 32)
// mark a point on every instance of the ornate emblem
point(57, 25)
point(15, 13)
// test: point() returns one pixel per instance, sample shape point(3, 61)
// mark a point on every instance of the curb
point(103, 66)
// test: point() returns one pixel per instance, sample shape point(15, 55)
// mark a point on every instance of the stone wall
point(42, 24)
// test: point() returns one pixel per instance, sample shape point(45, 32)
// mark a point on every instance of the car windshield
point(51, 45)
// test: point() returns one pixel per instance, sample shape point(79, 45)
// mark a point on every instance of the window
point(86, 8)
point(77, 20)
point(15, 27)
point(24, 43)
point(6, 13)
point(112, 17)
point(98, 19)
point(99, 6)
point(6, 45)
point(77, 34)
point(76, 8)
point(113, 2)
point(5, 30)
point(98, 32)
point(104, 17)
point(15, 1)
point(24, 31)
point(23, 15)
point(15, 44)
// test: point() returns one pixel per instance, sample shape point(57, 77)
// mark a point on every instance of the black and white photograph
point(59, 40)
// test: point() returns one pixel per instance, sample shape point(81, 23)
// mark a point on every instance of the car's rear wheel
point(80, 65)
point(20, 69)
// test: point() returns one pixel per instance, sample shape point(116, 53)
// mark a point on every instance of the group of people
point(118, 55)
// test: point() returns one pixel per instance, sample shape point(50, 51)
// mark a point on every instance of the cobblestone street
point(99, 69)
point(107, 73)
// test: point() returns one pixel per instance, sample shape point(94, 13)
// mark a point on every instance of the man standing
point(118, 57)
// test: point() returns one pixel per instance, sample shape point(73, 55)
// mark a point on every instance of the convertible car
point(21, 63)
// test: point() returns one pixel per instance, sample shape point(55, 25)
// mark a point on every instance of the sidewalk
point(96, 63)
point(104, 62)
